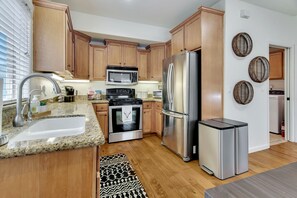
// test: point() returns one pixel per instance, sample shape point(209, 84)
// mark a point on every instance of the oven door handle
point(175, 115)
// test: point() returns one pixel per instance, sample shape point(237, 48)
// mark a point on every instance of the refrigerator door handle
point(172, 83)
point(169, 83)
point(172, 114)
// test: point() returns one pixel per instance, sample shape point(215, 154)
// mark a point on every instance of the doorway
point(278, 88)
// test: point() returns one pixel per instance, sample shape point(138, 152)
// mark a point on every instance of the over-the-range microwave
point(116, 75)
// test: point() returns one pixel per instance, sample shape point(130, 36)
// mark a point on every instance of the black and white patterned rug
point(118, 179)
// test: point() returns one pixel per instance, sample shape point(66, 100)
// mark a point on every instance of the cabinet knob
point(185, 49)
point(120, 63)
point(181, 50)
point(124, 63)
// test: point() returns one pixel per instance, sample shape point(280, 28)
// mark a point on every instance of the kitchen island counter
point(92, 136)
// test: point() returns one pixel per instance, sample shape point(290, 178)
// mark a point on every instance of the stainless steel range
point(125, 115)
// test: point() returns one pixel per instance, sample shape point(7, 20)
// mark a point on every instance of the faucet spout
point(19, 120)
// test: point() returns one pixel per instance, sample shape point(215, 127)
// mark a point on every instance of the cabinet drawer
point(147, 105)
point(158, 105)
point(101, 107)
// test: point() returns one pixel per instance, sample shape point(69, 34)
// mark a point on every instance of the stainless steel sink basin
point(52, 127)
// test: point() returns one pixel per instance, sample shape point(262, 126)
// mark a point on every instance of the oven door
point(116, 125)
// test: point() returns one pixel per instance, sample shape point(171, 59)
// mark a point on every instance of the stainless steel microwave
point(116, 75)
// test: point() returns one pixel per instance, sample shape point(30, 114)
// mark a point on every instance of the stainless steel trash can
point(241, 144)
point(216, 148)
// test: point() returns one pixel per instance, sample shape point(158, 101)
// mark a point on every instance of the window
point(15, 45)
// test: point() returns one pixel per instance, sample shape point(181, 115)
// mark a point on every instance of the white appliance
point(276, 113)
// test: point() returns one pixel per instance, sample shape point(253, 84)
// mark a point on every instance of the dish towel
point(127, 114)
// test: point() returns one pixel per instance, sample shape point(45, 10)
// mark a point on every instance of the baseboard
point(258, 148)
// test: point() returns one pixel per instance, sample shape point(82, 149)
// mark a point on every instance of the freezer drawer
point(216, 148)
point(176, 135)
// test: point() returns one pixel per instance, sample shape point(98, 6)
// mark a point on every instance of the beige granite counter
point(92, 136)
point(151, 100)
point(99, 101)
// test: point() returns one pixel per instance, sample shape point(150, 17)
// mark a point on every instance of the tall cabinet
point(204, 31)
point(155, 61)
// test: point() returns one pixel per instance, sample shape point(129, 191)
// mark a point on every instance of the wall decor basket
point(243, 92)
point(242, 44)
point(259, 69)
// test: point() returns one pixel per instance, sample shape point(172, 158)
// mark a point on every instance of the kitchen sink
point(52, 127)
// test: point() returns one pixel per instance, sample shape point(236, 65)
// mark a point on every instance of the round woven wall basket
point(243, 92)
point(259, 69)
point(242, 44)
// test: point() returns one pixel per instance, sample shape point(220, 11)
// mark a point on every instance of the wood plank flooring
point(164, 174)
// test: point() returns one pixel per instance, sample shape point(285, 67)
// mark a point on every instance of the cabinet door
point(146, 120)
point(81, 57)
point(114, 54)
point(103, 122)
point(177, 41)
point(193, 34)
point(99, 63)
point(159, 122)
point(276, 60)
point(69, 50)
point(129, 55)
point(49, 39)
point(142, 64)
point(156, 61)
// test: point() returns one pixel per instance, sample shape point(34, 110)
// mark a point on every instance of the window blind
point(15, 45)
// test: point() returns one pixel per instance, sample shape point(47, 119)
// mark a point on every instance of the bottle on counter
point(34, 104)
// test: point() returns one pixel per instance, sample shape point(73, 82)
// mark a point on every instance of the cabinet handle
point(181, 50)
point(185, 49)
point(124, 63)
point(120, 63)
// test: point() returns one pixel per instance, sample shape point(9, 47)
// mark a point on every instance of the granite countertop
point(151, 100)
point(92, 136)
point(99, 101)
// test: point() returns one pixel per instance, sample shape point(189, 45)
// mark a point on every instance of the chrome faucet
point(19, 119)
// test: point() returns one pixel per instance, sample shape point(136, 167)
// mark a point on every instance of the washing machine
point(276, 113)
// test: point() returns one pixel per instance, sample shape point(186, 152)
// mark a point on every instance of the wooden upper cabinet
point(98, 62)
point(156, 57)
point(193, 34)
point(69, 49)
point(187, 35)
point(276, 60)
point(114, 51)
point(177, 41)
point(52, 39)
point(129, 55)
point(81, 51)
point(168, 49)
point(121, 53)
point(142, 64)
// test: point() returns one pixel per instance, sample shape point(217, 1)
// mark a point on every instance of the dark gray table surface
point(277, 183)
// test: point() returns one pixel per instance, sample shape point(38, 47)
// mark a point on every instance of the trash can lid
point(229, 121)
point(216, 124)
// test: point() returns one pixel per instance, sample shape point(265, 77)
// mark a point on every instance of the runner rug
point(118, 179)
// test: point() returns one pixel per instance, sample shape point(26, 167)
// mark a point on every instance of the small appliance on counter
point(157, 94)
point(70, 97)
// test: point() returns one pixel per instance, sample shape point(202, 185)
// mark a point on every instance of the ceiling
point(162, 13)
point(288, 7)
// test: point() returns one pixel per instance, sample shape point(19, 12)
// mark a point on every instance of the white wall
point(265, 27)
point(114, 27)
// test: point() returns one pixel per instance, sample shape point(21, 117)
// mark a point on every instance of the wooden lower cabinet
point(152, 118)
point(102, 117)
point(68, 173)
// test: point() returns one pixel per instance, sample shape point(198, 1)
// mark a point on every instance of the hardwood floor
point(164, 174)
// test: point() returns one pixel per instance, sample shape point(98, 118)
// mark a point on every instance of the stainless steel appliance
point(125, 115)
point(116, 75)
point(69, 94)
point(217, 148)
point(181, 104)
point(157, 94)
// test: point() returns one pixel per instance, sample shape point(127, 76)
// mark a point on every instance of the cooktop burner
point(122, 96)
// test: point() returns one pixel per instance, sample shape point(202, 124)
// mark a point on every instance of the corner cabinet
point(101, 111)
point(121, 53)
point(98, 62)
point(142, 64)
point(81, 51)
point(155, 61)
point(276, 60)
point(204, 31)
point(52, 38)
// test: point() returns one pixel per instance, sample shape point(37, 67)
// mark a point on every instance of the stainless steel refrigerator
point(181, 85)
